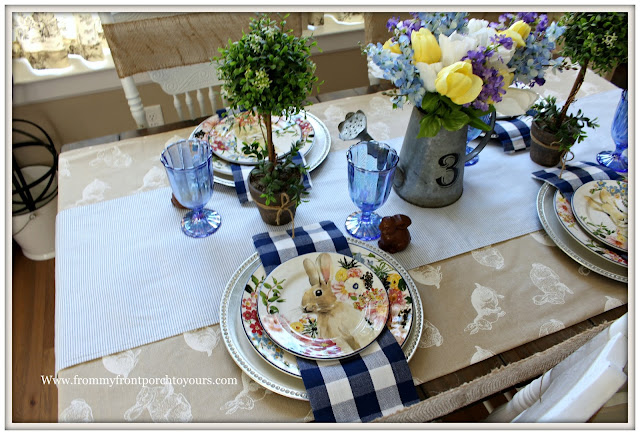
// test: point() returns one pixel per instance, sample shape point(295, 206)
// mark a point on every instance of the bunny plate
point(600, 207)
point(309, 312)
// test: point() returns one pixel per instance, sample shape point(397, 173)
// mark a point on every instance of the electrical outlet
point(154, 115)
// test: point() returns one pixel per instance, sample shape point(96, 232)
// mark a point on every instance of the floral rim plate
point(400, 307)
point(600, 207)
point(306, 311)
point(254, 365)
point(570, 246)
point(314, 151)
point(227, 135)
point(565, 214)
point(316, 154)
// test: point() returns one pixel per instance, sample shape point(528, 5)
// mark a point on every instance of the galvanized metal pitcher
point(431, 169)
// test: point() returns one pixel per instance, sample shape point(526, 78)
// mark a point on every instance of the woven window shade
point(178, 40)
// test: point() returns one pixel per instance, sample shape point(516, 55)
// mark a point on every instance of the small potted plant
point(550, 142)
point(269, 72)
point(591, 40)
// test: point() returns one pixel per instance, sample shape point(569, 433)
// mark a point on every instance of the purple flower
point(542, 24)
point(392, 23)
point(539, 81)
point(503, 40)
point(527, 17)
point(505, 17)
point(411, 26)
point(493, 81)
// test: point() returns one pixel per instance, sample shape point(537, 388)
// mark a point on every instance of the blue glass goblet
point(617, 159)
point(473, 133)
point(372, 166)
point(190, 171)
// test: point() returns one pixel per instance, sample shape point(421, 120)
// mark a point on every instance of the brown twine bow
point(563, 156)
point(285, 203)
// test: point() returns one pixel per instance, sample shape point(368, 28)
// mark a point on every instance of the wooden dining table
point(453, 366)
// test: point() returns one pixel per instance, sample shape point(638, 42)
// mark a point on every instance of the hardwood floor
point(33, 312)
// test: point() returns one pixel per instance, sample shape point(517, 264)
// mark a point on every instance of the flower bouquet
point(456, 70)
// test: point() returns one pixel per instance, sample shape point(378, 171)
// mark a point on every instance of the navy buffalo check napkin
point(514, 134)
point(575, 175)
point(241, 178)
point(375, 383)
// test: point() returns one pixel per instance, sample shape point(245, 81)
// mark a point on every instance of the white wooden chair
point(576, 388)
point(179, 81)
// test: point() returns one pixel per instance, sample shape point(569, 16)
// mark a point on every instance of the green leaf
point(430, 102)
point(448, 102)
point(477, 123)
point(263, 296)
point(255, 280)
point(248, 289)
point(402, 285)
point(455, 120)
point(273, 310)
point(273, 298)
point(429, 126)
point(266, 285)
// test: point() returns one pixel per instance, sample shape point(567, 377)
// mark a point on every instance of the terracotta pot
point(269, 213)
point(542, 151)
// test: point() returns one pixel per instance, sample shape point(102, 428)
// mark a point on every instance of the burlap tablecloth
point(476, 305)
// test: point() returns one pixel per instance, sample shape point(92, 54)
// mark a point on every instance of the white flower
point(474, 25)
point(428, 74)
point(501, 58)
point(455, 47)
point(479, 30)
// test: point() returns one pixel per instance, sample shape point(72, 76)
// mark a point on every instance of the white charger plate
point(254, 365)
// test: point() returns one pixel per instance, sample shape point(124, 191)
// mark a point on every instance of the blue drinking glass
point(473, 133)
point(190, 171)
point(372, 166)
point(617, 159)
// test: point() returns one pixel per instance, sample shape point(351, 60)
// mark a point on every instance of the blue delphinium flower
point(400, 70)
point(444, 23)
point(530, 62)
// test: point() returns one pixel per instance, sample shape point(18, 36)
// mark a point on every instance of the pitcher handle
point(485, 139)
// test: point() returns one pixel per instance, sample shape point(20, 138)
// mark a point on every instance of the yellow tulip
point(425, 47)
point(515, 36)
point(458, 82)
point(519, 31)
point(507, 78)
point(394, 47)
point(521, 28)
